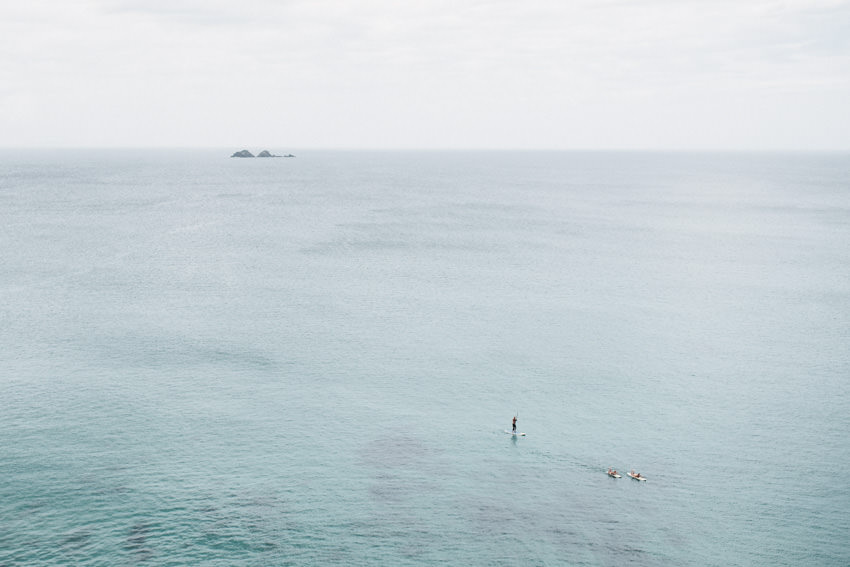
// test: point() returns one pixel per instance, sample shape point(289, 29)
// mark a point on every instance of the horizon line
point(439, 149)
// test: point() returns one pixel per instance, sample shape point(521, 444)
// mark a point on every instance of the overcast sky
point(535, 74)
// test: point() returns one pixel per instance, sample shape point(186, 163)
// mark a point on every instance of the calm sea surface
point(311, 361)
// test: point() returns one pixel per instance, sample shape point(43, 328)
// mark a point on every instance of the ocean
point(315, 360)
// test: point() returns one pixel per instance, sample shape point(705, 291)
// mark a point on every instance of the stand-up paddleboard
point(613, 474)
point(514, 433)
point(636, 477)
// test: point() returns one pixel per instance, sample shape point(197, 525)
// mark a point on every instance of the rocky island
point(264, 153)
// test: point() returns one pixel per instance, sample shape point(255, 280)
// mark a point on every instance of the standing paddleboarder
point(514, 429)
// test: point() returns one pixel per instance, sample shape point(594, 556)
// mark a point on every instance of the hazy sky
point(290, 74)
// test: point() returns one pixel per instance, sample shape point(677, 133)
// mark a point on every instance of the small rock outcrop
point(264, 153)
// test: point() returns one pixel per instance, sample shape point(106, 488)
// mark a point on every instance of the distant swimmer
point(514, 428)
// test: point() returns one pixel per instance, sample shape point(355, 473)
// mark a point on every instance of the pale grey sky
point(288, 74)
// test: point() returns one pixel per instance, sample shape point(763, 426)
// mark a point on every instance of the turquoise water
point(309, 361)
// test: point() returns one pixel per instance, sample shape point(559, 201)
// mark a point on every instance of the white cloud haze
point(759, 74)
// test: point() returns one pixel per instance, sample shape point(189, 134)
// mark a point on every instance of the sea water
point(314, 360)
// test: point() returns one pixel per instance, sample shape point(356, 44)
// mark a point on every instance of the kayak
point(636, 477)
point(614, 475)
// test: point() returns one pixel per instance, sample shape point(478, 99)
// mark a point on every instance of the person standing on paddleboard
point(514, 429)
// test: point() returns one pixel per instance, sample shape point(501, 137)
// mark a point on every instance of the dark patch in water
point(398, 451)
point(388, 489)
point(76, 540)
point(136, 542)
point(167, 351)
